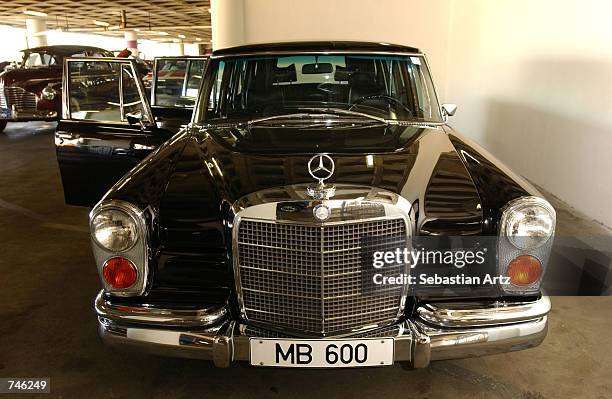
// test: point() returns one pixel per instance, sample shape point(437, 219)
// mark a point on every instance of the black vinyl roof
point(317, 46)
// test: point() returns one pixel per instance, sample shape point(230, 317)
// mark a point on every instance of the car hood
point(210, 176)
point(32, 79)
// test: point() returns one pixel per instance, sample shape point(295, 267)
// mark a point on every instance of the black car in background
point(255, 233)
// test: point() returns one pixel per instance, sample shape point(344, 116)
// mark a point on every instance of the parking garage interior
point(532, 84)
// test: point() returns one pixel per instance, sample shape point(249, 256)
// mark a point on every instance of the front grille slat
point(18, 98)
point(3, 103)
point(317, 279)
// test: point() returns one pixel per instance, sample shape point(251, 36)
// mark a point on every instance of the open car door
point(175, 86)
point(107, 126)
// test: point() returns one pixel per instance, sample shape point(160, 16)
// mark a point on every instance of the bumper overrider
point(436, 331)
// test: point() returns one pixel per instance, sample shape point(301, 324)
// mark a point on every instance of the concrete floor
point(48, 328)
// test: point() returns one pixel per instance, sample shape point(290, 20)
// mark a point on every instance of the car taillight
point(119, 272)
point(524, 270)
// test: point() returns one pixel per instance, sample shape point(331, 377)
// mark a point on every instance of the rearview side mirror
point(136, 118)
point(449, 109)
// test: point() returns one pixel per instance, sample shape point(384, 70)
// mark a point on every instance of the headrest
point(342, 74)
point(285, 74)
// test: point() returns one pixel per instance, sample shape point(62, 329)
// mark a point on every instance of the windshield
point(33, 60)
point(396, 87)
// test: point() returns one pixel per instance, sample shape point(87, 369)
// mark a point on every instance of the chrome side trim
point(151, 315)
point(466, 314)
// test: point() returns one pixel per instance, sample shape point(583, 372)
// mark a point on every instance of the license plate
point(321, 352)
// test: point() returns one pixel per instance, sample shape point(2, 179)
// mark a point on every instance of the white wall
point(418, 23)
point(13, 41)
point(533, 80)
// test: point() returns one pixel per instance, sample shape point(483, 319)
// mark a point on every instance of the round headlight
point(530, 224)
point(49, 93)
point(114, 230)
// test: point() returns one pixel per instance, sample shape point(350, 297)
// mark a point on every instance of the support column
point(227, 20)
point(131, 39)
point(35, 28)
point(180, 47)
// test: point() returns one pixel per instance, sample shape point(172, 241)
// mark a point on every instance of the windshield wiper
point(281, 116)
point(399, 122)
point(313, 112)
point(339, 111)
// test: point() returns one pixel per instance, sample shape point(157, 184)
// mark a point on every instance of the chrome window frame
point(187, 58)
point(199, 109)
point(66, 111)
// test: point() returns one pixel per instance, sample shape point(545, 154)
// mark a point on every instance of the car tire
point(2, 125)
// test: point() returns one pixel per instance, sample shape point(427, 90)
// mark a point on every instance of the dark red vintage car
point(33, 91)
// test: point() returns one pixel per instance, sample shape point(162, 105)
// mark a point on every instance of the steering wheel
point(391, 100)
point(326, 87)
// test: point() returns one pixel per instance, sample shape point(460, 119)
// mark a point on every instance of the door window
point(177, 81)
point(103, 91)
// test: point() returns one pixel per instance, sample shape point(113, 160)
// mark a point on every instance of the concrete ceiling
point(160, 20)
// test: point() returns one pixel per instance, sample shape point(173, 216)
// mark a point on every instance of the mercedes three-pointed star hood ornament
point(321, 167)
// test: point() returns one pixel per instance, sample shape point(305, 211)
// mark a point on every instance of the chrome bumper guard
point(439, 331)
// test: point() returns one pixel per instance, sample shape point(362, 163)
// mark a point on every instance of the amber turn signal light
point(524, 270)
point(119, 272)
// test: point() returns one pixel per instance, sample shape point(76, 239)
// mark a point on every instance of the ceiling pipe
point(143, 28)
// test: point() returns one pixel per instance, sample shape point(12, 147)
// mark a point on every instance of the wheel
point(2, 125)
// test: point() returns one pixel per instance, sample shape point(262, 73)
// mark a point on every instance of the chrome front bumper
point(438, 331)
point(26, 116)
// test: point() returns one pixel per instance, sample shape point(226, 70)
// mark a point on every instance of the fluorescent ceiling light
point(101, 23)
point(199, 39)
point(35, 13)
point(162, 33)
point(182, 36)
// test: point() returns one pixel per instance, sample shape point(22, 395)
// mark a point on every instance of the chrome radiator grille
point(3, 103)
point(317, 279)
point(18, 97)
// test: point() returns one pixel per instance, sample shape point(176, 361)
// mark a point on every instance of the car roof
point(318, 46)
point(65, 49)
